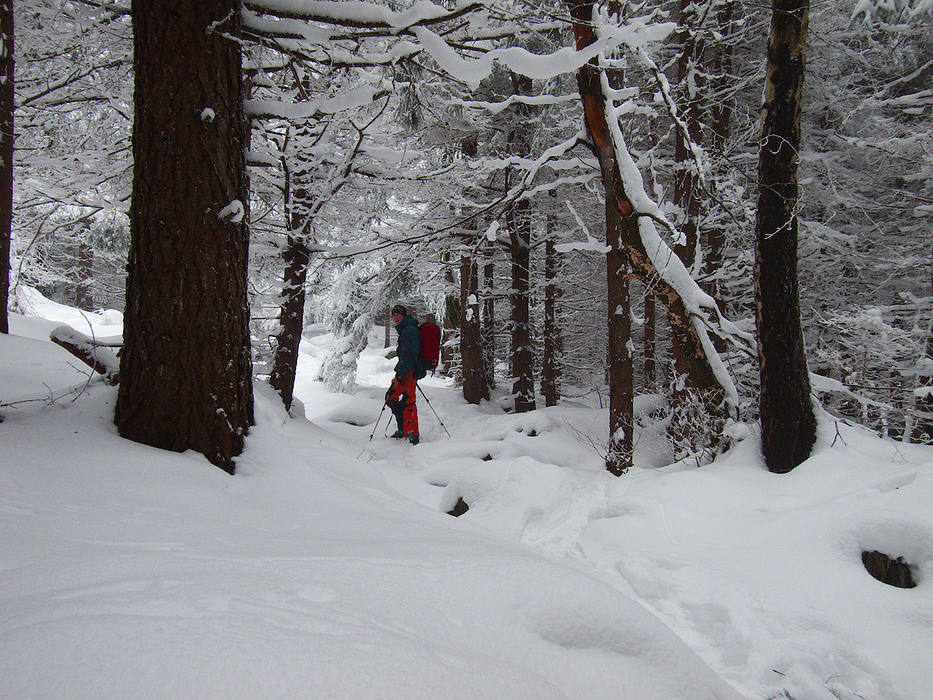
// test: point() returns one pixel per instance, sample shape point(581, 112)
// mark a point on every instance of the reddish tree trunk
point(186, 379)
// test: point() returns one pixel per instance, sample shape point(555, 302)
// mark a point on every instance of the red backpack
point(430, 345)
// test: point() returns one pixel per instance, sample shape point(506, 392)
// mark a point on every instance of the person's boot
point(398, 435)
point(413, 440)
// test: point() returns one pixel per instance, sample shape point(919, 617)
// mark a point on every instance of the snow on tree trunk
point(788, 426)
point(518, 224)
point(6, 154)
point(690, 312)
point(291, 319)
point(471, 345)
point(185, 367)
point(296, 255)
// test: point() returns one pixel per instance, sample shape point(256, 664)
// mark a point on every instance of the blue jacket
point(409, 348)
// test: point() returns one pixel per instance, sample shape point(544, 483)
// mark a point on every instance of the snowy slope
point(328, 567)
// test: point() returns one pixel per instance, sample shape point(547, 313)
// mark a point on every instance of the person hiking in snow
point(400, 397)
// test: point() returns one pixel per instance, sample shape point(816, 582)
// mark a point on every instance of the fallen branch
point(96, 354)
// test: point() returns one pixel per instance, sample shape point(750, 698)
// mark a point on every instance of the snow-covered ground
point(327, 567)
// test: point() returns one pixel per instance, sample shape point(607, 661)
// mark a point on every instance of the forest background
point(389, 161)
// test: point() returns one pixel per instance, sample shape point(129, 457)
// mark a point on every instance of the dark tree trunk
point(621, 384)
point(185, 366)
point(686, 177)
point(922, 430)
point(650, 351)
point(451, 318)
point(489, 315)
point(471, 343)
point(83, 291)
point(683, 429)
point(518, 225)
point(550, 362)
point(6, 155)
point(296, 257)
point(721, 112)
point(788, 426)
point(518, 222)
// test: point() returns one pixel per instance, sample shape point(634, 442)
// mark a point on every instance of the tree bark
point(788, 425)
point(518, 224)
point(296, 255)
point(550, 361)
point(489, 314)
point(6, 155)
point(185, 367)
point(621, 382)
point(471, 344)
point(650, 350)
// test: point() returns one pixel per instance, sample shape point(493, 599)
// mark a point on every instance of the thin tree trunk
point(922, 429)
point(296, 256)
point(186, 379)
point(550, 362)
point(471, 344)
point(686, 177)
point(518, 222)
point(83, 292)
point(788, 426)
point(451, 318)
point(489, 314)
point(621, 384)
point(6, 155)
point(721, 112)
point(650, 348)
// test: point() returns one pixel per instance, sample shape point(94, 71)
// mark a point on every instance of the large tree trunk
point(185, 367)
point(788, 426)
point(6, 155)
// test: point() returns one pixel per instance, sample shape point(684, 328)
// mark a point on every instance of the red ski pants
point(401, 399)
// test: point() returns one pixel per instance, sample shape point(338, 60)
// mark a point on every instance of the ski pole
point(376, 425)
point(435, 412)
